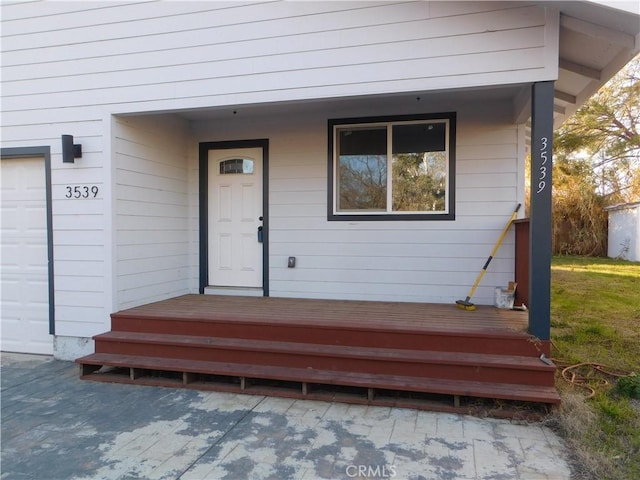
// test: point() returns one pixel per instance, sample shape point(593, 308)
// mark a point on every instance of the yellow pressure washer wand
point(466, 303)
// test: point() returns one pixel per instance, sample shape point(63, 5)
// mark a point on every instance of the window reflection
point(419, 167)
point(362, 169)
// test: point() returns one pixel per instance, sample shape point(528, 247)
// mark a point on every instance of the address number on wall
point(81, 191)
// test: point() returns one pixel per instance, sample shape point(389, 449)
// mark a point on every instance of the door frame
point(43, 152)
point(203, 198)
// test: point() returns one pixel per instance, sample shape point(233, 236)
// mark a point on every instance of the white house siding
point(69, 67)
point(152, 217)
point(425, 261)
point(141, 57)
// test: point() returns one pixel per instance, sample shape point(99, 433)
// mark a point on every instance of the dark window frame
point(333, 215)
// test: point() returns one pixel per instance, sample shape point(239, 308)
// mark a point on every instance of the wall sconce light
point(69, 150)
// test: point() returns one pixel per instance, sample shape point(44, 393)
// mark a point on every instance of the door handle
point(260, 234)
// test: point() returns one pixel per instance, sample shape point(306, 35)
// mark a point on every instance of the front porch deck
point(356, 314)
point(382, 353)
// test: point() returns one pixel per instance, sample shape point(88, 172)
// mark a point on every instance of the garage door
point(24, 257)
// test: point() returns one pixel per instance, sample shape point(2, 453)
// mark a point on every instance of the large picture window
point(392, 168)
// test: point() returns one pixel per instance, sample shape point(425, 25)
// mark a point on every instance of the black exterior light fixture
point(70, 151)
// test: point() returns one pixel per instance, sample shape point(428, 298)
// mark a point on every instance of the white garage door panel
point(24, 258)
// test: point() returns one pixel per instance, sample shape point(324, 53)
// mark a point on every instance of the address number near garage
point(81, 191)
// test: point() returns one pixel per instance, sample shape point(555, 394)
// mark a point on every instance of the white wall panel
point(150, 251)
point(80, 268)
point(153, 292)
point(96, 78)
point(393, 264)
point(83, 253)
point(151, 33)
point(331, 80)
point(457, 250)
point(138, 56)
point(151, 218)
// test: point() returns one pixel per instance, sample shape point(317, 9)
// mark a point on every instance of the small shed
point(624, 231)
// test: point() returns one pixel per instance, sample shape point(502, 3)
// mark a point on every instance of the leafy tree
point(419, 181)
point(363, 182)
point(596, 164)
point(606, 131)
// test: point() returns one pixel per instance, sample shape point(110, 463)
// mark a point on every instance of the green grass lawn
point(595, 318)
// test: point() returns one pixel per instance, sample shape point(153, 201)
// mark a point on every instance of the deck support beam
point(371, 393)
point(188, 377)
point(88, 369)
point(540, 210)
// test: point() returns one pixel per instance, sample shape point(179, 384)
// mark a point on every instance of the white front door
point(24, 304)
point(235, 215)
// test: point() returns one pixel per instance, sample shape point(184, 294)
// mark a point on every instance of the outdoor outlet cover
point(292, 262)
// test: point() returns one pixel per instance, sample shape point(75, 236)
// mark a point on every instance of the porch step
point(141, 370)
point(345, 333)
point(399, 361)
point(314, 349)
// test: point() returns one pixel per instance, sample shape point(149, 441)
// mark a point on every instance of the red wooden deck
point(355, 314)
point(319, 348)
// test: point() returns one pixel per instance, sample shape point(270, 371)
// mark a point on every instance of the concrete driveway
point(57, 427)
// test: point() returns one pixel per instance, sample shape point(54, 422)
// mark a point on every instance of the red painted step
point(502, 342)
point(420, 363)
point(292, 374)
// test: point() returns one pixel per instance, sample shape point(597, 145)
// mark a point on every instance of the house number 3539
point(542, 172)
point(81, 191)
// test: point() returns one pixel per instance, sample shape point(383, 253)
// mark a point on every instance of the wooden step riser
point(409, 367)
point(500, 344)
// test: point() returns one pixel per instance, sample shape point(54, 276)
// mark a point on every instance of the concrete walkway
point(57, 427)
